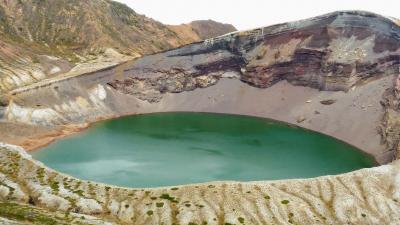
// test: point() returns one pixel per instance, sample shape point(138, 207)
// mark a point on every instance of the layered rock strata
point(334, 52)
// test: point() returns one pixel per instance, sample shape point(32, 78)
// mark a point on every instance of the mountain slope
point(83, 25)
point(40, 39)
point(209, 28)
point(201, 30)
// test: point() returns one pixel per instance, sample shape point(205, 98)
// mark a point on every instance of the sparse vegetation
point(285, 202)
point(168, 197)
point(23, 213)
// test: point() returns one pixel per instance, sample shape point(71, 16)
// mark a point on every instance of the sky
point(247, 14)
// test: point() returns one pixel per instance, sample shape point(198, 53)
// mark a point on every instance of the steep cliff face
point(334, 52)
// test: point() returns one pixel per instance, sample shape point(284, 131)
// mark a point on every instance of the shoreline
point(76, 129)
point(45, 140)
point(284, 194)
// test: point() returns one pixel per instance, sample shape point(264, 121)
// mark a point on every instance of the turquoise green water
point(179, 148)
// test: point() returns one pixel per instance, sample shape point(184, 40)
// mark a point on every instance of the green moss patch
point(285, 202)
point(169, 198)
point(150, 212)
point(21, 213)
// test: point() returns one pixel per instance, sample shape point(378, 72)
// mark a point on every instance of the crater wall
point(336, 74)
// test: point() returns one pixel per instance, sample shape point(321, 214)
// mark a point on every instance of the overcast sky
point(246, 14)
